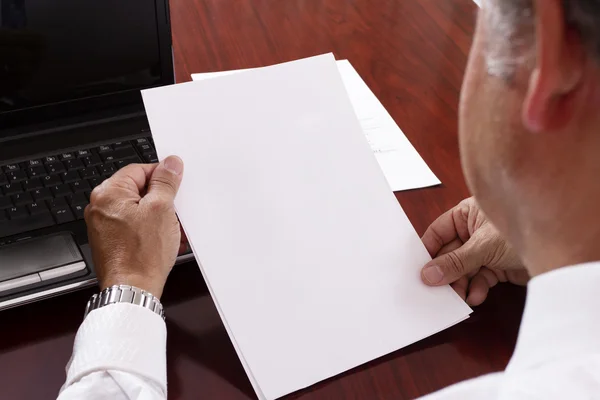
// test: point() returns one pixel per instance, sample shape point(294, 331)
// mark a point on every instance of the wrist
point(152, 286)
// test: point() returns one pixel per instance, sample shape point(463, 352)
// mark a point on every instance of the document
point(401, 164)
point(310, 260)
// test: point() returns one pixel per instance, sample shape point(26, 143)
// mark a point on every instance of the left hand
point(469, 254)
point(132, 226)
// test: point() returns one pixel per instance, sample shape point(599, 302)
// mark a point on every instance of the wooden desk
point(412, 53)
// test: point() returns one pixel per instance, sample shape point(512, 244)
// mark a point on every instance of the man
point(529, 143)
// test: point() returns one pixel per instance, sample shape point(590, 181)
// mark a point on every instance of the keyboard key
point(11, 188)
point(50, 159)
point(77, 199)
point(32, 184)
point(104, 149)
point(17, 212)
point(61, 190)
point(69, 176)
point(96, 181)
point(21, 199)
point(62, 215)
point(36, 172)
point(140, 141)
point(66, 156)
point(41, 194)
point(51, 180)
point(3, 179)
point(80, 186)
point(92, 160)
point(37, 221)
point(78, 210)
point(55, 167)
point(151, 158)
point(32, 163)
point(3, 216)
point(75, 163)
point(16, 176)
point(83, 153)
point(123, 163)
point(121, 145)
point(88, 172)
point(11, 167)
point(107, 169)
point(120, 154)
point(87, 194)
point(5, 202)
point(59, 202)
point(146, 149)
point(37, 208)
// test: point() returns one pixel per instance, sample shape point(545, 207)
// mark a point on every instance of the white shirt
point(120, 350)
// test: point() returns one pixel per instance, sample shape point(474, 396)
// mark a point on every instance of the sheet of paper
point(401, 164)
point(311, 262)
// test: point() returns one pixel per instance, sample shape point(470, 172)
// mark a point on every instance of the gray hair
point(511, 29)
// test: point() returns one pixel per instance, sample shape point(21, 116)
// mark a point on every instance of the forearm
point(113, 385)
point(119, 353)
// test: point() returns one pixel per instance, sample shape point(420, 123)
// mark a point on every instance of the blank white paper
point(401, 164)
point(312, 263)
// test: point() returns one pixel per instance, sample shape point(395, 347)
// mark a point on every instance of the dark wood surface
point(412, 53)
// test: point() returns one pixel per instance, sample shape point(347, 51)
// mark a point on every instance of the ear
point(555, 86)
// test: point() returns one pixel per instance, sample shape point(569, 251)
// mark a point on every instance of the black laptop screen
point(57, 51)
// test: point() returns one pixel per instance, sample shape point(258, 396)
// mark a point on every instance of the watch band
point(124, 294)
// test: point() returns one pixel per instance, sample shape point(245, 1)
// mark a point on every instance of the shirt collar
point(561, 317)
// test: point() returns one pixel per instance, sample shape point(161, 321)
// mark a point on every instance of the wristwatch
point(124, 294)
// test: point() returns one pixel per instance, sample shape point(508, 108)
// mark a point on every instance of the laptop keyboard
point(54, 190)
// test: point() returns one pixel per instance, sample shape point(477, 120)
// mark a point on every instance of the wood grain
point(412, 53)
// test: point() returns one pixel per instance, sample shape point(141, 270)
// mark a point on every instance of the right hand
point(469, 254)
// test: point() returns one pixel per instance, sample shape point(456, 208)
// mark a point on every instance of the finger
point(478, 291)
point(460, 287)
point(131, 178)
point(135, 176)
point(450, 247)
point(446, 228)
point(480, 286)
point(450, 267)
point(165, 180)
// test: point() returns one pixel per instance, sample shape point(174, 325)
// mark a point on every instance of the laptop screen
point(60, 51)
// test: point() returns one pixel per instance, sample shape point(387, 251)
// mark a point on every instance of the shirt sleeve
point(119, 353)
point(558, 351)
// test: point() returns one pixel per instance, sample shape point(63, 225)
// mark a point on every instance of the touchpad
point(36, 255)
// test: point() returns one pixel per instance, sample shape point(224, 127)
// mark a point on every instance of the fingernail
point(174, 164)
point(433, 274)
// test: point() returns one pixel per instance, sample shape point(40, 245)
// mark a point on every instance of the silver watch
point(125, 294)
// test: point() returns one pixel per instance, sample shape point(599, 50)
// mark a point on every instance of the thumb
point(165, 179)
point(451, 266)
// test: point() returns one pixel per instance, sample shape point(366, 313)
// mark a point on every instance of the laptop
point(71, 115)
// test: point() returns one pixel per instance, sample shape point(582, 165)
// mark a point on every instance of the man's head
point(530, 126)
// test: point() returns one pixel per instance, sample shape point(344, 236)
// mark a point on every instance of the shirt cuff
point(124, 337)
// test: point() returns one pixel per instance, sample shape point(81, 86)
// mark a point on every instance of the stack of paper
point(402, 166)
point(311, 262)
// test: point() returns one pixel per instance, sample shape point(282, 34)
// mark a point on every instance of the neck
point(570, 245)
